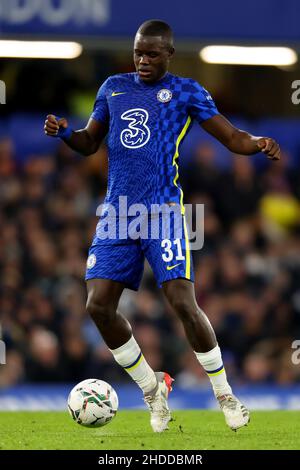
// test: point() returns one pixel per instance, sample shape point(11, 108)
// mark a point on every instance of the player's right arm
point(85, 141)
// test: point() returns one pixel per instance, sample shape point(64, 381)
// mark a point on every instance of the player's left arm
point(238, 141)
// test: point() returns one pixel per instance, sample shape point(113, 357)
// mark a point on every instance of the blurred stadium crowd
point(247, 274)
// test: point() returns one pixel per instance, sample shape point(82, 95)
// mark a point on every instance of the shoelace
point(227, 400)
point(151, 401)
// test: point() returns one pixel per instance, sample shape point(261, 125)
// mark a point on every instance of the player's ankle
point(222, 391)
point(150, 388)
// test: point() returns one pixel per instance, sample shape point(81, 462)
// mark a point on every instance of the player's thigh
point(180, 292)
point(104, 292)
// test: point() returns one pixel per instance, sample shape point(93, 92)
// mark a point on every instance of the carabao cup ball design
point(93, 403)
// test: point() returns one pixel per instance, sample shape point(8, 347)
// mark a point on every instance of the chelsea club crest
point(164, 95)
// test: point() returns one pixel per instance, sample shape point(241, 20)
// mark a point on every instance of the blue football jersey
point(147, 123)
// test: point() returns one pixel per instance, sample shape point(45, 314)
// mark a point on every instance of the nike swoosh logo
point(116, 93)
point(172, 267)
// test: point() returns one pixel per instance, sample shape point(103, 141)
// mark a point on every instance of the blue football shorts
point(121, 256)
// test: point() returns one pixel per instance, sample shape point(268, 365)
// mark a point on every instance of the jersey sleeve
point(101, 112)
point(202, 106)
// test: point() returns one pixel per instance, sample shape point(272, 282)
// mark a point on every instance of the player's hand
point(270, 147)
point(52, 125)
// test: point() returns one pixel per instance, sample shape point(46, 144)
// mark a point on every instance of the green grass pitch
point(198, 430)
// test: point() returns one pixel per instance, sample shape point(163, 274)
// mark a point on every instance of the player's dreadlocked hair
point(157, 28)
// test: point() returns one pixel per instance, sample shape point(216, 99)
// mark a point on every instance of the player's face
point(151, 57)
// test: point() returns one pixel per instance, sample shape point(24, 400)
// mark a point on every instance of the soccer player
point(146, 115)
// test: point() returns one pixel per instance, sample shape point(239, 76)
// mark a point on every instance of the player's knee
point(183, 308)
point(101, 311)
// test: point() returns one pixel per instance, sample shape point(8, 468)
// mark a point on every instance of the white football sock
point(130, 357)
point(212, 363)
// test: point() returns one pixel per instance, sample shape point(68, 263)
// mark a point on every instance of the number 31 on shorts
point(172, 249)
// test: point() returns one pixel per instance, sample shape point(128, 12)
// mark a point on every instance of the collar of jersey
point(165, 79)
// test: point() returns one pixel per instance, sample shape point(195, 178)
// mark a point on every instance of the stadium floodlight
point(40, 49)
point(242, 55)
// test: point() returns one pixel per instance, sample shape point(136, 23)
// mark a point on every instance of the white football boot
point(236, 414)
point(157, 402)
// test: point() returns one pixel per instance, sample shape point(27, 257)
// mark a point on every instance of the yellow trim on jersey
point(174, 162)
point(175, 157)
point(187, 251)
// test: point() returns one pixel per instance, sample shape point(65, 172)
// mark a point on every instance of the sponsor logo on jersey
point(137, 133)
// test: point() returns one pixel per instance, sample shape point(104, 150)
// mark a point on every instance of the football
point(93, 403)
